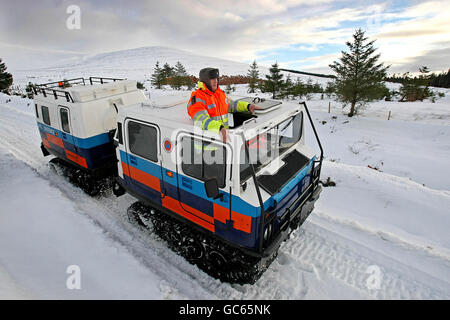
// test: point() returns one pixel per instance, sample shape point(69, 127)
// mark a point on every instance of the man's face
point(214, 83)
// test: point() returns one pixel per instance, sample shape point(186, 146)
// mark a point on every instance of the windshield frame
point(259, 166)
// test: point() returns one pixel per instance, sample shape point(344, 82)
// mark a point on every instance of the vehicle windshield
point(270, 144)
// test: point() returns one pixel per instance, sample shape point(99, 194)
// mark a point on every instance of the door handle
point(186, 182)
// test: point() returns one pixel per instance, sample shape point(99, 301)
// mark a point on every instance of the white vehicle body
point(75, 121)
point(163, 181)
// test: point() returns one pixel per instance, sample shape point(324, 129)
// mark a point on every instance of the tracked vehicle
point(225, 207)
point(76, 120)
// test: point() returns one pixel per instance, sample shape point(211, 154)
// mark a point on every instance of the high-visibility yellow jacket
point(209, 110)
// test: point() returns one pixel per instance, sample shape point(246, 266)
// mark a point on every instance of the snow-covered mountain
point(145, 58)
point(133, 63)
point(137, 64)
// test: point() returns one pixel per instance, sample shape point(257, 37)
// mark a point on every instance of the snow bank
point(42, 233)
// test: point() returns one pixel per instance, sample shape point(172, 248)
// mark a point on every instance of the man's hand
point(253, 107)
point(224, 134)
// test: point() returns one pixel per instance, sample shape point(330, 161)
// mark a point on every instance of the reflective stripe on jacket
point(210, 110)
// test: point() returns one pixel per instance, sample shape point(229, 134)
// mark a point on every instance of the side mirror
point(212, 188)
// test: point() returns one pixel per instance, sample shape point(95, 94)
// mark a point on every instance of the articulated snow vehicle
point(225, 207)
point(76, 120)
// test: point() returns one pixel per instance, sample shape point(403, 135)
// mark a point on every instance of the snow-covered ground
point(381, 233)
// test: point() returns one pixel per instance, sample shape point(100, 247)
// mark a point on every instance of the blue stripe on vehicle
point(144, 190)
point(197, 188)
point(85, 143)
point(190, 199)
point(194, 187)
point(95, 156)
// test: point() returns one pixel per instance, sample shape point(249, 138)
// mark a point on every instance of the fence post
point(389, 116)
point(329, 106)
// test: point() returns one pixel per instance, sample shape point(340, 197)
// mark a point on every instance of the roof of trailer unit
point(173, 108)
point(84, 93)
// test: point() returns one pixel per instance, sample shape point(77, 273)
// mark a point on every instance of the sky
point(298, 34)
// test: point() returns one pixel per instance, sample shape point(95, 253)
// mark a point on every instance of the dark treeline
point(441, 80)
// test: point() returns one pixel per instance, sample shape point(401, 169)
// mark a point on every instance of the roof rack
point(47, 89)
point(103, 80)
point(53, 92)
point(62, 83)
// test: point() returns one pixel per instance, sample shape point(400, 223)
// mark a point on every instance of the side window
point(64, 114)
point(143, 140)
point(36, 109)
point(203, 160)
point(119, 132)
point(45, 115)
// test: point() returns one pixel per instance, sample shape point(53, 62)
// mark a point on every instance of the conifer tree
point(359, 75)
point(288, 87)
point(416, 88)
point(167, 71)
point(253, 76)
point(274, 81)
point(180, 76)
point(157, 78)
point(6, 78)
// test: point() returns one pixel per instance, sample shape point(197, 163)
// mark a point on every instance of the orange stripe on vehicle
point(241, 221)
point(144, 178)
point(221, 214)
point(175, 206)
point(76, 158)
point(46, 143)
point(197, 213)
point(55, 140)
point(125, 169)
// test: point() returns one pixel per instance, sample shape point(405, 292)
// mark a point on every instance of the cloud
point(229, 29)
point(436, 60)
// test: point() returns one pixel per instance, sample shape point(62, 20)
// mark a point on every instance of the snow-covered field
point(381, 233)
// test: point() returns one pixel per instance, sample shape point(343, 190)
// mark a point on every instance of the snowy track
point(327, 258)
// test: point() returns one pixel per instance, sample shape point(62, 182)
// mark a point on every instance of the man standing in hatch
point(209, 106)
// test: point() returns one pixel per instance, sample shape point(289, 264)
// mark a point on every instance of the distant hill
point(136, 64)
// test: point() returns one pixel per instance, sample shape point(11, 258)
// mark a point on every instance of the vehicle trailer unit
point(76, 119)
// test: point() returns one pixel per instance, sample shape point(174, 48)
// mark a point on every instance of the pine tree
point(167, 72)
point(299, 89)
point(6, 78)
point(359, 75)
point(157, 78)
point(253, 76)
point(288, 88)
point(180, 76)
point(29, 89)
point(274, 82)
point(180, 70)
point(416, 88)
